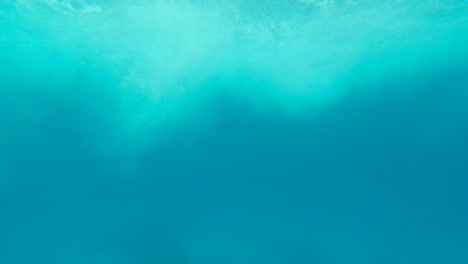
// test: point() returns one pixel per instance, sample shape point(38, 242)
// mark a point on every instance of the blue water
point(233, 131)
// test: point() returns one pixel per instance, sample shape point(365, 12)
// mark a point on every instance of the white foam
point(168, 55)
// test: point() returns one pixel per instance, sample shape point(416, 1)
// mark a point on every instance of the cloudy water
point(233, 131)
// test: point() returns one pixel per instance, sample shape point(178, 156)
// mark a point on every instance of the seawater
point(233, 131)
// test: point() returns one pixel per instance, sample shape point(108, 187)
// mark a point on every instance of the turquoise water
point(233, 131)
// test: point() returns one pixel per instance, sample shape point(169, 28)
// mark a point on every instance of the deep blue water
point(203, 132)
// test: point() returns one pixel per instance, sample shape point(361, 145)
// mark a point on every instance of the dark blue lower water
point(203, 132)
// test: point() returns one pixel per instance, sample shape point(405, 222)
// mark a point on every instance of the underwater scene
point(233, 131)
